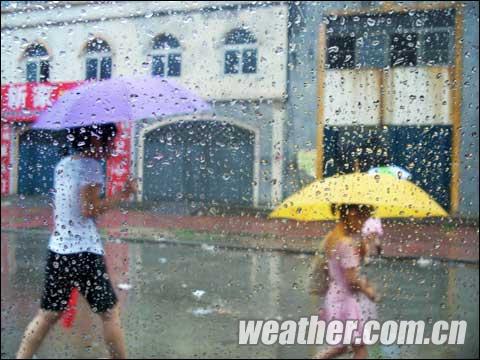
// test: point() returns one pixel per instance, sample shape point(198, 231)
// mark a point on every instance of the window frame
point(167, 53)
point(421, 34)
point(99, 56)
point(241, 48)
point(38, 60)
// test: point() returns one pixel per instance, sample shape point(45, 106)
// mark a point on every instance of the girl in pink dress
point(350, 296)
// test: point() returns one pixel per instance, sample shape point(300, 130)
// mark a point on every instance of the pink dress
point(341, 303)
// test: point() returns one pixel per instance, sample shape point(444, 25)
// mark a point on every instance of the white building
point(232, 54)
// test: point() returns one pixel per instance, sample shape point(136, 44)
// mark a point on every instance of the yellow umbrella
point(392, 198)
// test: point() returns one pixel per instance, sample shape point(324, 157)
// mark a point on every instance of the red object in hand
point(68, 316)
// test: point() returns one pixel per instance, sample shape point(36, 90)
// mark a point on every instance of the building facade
point(386, 83)
point(342, 86)
point(232, 55)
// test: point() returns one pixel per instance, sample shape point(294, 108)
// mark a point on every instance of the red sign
point(24, 102)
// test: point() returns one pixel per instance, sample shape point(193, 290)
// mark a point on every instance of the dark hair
point(344, 209)
point(80, 137)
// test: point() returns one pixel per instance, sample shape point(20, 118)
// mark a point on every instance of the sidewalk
point(450, 240)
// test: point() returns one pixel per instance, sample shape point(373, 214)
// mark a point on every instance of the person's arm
point(93, 205)
point(359, 283)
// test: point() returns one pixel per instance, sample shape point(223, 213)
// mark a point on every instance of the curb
point(220, 246)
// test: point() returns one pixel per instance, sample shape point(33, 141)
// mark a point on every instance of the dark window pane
point(403, 50)
point(232, 60)
point(44, 71)
point(174, 64)
point(439, 18)
point(158, 65)
point(92, 65)
point(32, 71)
point(106, 68)
point(165, 41)
point(341, 52)
point(240, 36)
point(436, 48)
point(97, 45)
point(371, 51)
point(36, 50)
point(249, 61)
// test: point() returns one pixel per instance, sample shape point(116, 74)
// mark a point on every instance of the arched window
point(98, 60)
point(240, 52)
point(166, 56)
point(37, 68)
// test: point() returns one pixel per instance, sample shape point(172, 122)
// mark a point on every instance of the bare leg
point(113, 333)
point(36, 332)
point(360, 352)
point(331, 352)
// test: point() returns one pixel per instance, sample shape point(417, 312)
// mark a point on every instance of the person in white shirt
point(75, 252)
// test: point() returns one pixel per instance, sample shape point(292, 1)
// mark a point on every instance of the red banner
point(5, 158)
point(118, 165)
point(24, 102)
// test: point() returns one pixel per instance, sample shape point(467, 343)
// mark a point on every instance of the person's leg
point(331, 352)
point(56, 292)
point(113, 333)
point(360, 352)
point(36, 332)
point(98, 290)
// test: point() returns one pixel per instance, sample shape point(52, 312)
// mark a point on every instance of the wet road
point(185, 302)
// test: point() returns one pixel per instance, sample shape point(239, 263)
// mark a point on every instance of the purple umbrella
point(118, 100)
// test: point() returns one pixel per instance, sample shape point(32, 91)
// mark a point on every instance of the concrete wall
point(469, 184)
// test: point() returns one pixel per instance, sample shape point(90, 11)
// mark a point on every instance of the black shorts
point(85, 271)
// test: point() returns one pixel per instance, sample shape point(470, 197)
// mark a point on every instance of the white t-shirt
point(73, 232)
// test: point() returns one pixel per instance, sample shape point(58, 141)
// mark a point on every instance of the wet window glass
point(239, 179)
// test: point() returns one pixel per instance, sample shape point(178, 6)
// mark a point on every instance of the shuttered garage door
point(202, 161)
point(39, 154)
